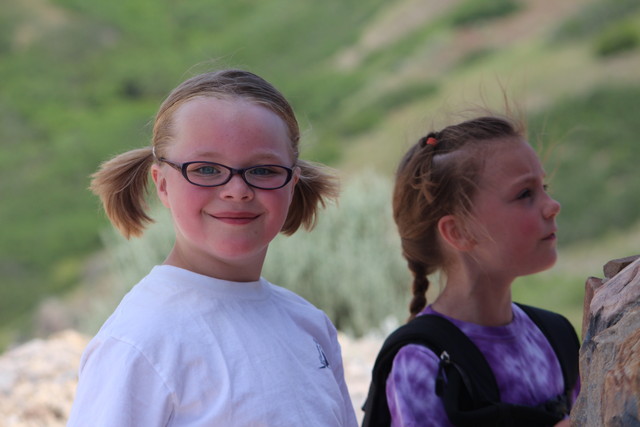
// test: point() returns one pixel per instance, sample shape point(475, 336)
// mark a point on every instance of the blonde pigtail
point(317, 186)
point(122, 185)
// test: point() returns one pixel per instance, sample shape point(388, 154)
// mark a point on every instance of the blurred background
point(80, 81)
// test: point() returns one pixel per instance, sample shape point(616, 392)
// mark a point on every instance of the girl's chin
point(549, 264)
point(544, 266)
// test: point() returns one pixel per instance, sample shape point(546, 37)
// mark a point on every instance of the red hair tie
point(431, 141)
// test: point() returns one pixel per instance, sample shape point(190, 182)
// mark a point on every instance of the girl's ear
point(295, 178)
point(453, 231)
point(161, 184)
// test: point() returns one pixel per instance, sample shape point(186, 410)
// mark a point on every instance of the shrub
point(617, 39)
point(594, 18)
point(128, 262)
point(476, 11)
point(350, 265)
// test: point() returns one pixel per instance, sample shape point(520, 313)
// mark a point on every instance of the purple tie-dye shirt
point(525, 366)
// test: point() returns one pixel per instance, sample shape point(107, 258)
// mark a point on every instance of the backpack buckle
point(445, 360)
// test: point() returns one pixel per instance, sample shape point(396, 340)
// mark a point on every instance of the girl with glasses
point(203, 339)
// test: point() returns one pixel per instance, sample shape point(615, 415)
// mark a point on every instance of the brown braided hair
point(437, 177)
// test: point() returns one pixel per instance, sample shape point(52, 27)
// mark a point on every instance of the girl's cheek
point(530, 228)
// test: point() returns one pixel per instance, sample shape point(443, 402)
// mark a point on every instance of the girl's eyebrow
point(255, 158)
point(528, 179)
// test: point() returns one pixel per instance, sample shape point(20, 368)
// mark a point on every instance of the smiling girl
point(203, 339)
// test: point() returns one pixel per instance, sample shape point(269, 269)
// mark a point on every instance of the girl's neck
point(486, 304)
point(214, 268)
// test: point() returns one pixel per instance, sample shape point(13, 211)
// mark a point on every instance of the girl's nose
point(236, 188)
point(552, 208)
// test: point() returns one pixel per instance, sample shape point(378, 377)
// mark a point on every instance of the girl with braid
point(203, 339)
point(470, 202)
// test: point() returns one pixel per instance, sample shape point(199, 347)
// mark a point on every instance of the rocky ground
point(38, 378)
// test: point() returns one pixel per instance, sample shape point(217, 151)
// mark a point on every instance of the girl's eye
point(525, 194)
point(207, 170)
point(263, 171)
point(204, 169)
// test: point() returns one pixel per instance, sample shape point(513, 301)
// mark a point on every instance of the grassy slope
point(556, 82)
point(535, 71)
point(365, 77)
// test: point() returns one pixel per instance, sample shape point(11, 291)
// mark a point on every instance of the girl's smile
point(235, 218)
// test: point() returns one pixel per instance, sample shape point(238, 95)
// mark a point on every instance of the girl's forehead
point(510, 161)
point(208, 125)
point(203, 105)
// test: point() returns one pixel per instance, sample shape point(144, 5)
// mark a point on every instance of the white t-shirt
point(185, 349)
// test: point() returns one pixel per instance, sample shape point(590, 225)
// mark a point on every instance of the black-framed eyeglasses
point(210, 174)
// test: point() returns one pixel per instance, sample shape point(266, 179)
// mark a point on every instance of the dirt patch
point(535, 19)
point(397, 20)
point(43, 17)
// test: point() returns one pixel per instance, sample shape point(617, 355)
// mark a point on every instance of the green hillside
point(81, 81)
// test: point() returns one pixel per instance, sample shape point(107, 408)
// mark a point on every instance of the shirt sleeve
point(410, 389)
point(119, 387)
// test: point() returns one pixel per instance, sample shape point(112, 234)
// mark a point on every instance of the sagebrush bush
point(350, 265)
point(128, 262)
point(619, 38)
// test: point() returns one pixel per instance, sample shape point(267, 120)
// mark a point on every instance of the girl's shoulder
point(294, 303)
point(159, 304)
point(299, 309)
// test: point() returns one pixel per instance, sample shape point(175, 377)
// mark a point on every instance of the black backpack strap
point(437, 334)
point(563, 339)
point(470, 395)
